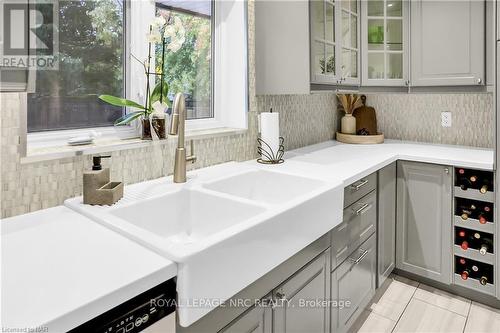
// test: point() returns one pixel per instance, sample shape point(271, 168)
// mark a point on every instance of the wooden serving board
point(360, 139)
point(366, 118)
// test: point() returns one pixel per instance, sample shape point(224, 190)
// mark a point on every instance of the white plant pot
point(348, 124)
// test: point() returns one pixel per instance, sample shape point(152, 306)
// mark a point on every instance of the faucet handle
point(192, 157)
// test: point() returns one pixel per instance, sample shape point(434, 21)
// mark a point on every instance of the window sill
point(40, 154)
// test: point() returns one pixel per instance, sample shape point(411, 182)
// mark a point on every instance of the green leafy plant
point(157, 98)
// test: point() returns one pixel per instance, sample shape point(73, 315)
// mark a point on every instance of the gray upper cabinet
point(256, 320)
point(386, 230)
point(334, 42)
point(424, 220)
point(447, 43)
point(282, 47)
point(384, 35)
point(311, 283)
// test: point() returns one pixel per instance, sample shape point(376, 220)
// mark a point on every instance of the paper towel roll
point(270, 131)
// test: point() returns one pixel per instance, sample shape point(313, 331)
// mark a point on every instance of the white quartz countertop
point(59, 270)
point(350, 162)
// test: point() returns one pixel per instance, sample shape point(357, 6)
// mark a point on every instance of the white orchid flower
point(175, 32)
point(170, 31)
point(174, 46)
point(158, 22)
point(154, 36)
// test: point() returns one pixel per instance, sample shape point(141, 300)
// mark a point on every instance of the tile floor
point(408, 306)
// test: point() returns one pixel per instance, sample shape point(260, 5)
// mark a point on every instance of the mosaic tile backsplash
point(304, 120)
point(417, 117)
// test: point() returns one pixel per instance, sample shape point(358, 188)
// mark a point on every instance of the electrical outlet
point(446, 119)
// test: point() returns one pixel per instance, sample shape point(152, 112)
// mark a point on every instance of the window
point(99, 44)
point(91, 49)
point(189, 69)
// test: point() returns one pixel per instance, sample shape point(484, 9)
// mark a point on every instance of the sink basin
point(265, 186)
point(217, 228)
point(185, 216)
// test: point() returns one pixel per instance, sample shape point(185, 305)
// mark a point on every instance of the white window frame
point(61, 137)
point(230, 62)
point(230, 73)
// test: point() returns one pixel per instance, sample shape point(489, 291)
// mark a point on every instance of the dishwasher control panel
point(135, 314)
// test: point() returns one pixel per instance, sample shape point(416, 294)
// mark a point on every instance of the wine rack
point(474, 230)
point(474, 184)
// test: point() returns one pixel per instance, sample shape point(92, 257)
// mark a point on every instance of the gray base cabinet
point(354, 281)
point(286, 310)
point(256, 320)
point(310, 284)
point(386, 230)
point(424, 224)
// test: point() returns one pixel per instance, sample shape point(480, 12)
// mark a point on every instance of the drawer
point(359, 223)
point(359, 189)
point(340, 244)
point(354, 280)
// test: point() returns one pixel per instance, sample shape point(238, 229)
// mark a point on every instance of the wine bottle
point(465, 245)
point(483, 280)
point(461, 171)
point(465, 183)
point(475, 268)
point(473, 179)
point(486, 245)
point(462, 261)
point(461, 233)
point(465, 274)
point(483, 189)
point(465, 214)
point(484, 249)
point(482, 218)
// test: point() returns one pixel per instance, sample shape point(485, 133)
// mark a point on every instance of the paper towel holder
point(268, 156)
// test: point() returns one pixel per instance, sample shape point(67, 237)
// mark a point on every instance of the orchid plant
point(172, 39)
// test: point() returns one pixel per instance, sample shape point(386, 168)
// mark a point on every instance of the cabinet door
point(353, 281)
point(349, 35)
point(424, 220)
point(448, 43)
point(386, 231)
point(281, 47)
point(255, 320)
point(323, 39)
point(385, 42)
point(309, 284)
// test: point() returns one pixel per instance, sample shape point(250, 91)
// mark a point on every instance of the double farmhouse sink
point(224, 228)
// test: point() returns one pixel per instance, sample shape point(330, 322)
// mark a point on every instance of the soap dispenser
point(97, 188)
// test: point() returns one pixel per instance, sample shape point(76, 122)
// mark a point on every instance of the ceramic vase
point(348, 124)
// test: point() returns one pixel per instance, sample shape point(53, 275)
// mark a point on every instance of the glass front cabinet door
point(385, 42)
point(335, 42)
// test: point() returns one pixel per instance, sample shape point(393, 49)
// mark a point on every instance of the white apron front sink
point(224, 229)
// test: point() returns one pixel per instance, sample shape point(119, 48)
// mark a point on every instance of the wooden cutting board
point(366, 118)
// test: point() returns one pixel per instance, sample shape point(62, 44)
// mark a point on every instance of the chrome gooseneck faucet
point(177, 127)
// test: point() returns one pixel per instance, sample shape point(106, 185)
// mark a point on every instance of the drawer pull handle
point(361, 257)
point(280, 295)
point(359, 185)
point(363, 209)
